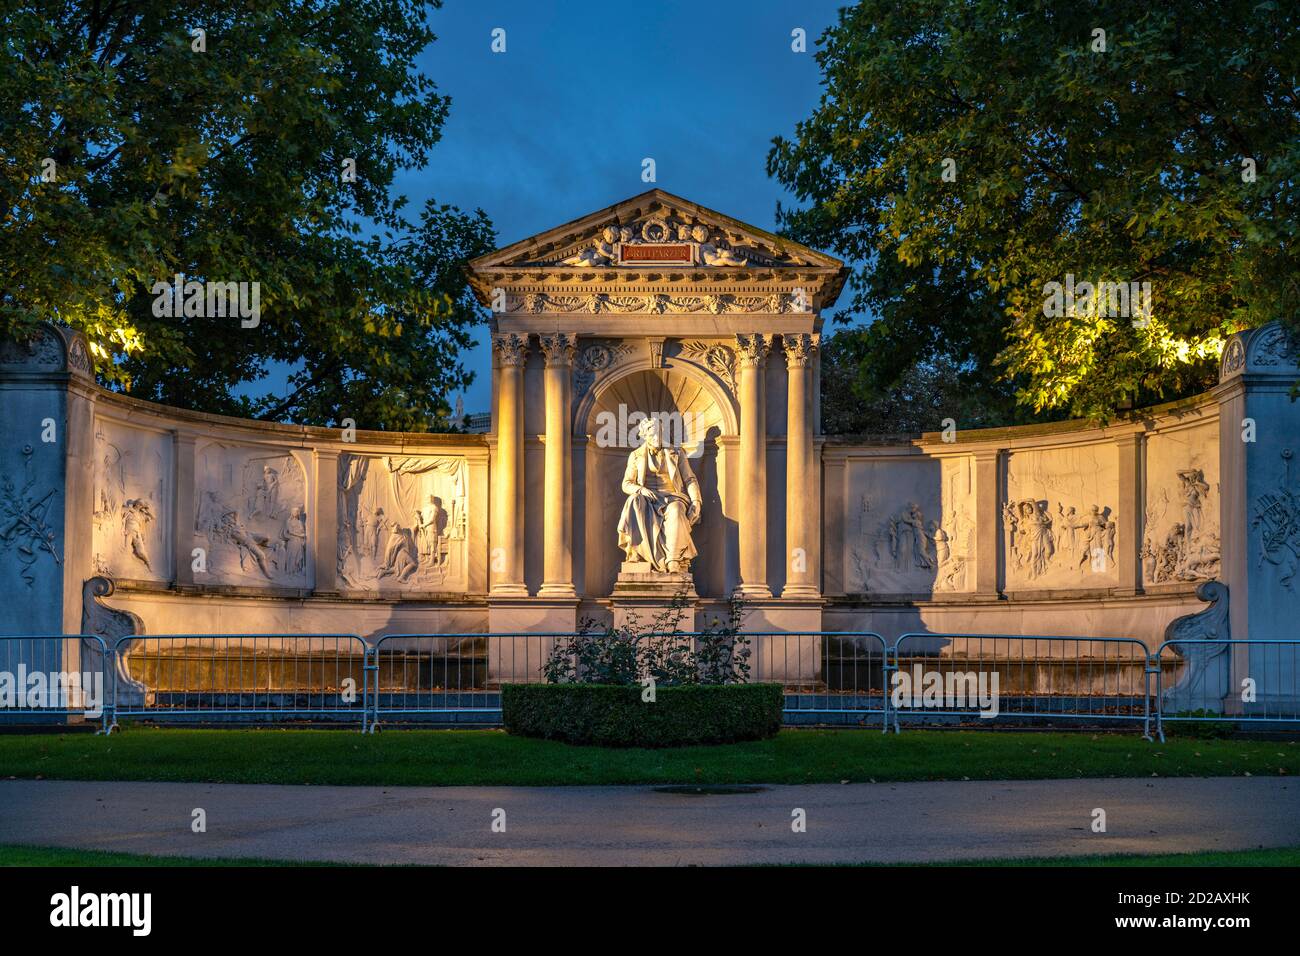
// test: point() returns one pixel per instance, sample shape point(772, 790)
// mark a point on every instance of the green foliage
point(626, 655)
point(1120, 166)
point(926, 393)
point(616, 716)
point(227, 165)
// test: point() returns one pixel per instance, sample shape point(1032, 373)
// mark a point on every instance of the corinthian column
point(751, 350)
point(507, 557)
point(557, 566)
point(801, 526)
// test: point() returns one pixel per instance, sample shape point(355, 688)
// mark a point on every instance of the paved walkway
point(900, 822)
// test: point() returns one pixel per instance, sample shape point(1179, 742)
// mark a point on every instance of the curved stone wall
point(209, 524)
point(1058, 529)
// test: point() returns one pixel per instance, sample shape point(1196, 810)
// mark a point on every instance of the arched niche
point(703, 417)
point(638, 384)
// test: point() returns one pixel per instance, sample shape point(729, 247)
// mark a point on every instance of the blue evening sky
point(557, 126)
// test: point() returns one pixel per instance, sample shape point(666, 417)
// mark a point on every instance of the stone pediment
point(632, 257)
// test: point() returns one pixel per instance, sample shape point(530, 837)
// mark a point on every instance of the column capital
point(558, 348)
point(799, 348)
point(751, 349)
point(511, 348)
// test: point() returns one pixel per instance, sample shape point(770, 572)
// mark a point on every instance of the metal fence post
point(107, 662)
point(110, 664)
point(889, 669)
point(370, 664)
point(1152, 669)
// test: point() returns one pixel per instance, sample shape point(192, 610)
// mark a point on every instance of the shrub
point(617, 716)
point(628, 655)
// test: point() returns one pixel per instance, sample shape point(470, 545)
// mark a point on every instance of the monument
point(654, 441)
point(659, 309)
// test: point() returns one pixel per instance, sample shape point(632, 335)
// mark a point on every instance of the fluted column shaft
point(801, 534)
point(557, 564)
point(507, 559)
point(751, 352)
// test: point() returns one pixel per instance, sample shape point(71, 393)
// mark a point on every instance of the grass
point(1279, 856)
point(12, 855)
point(490, 757)
point(57, 856)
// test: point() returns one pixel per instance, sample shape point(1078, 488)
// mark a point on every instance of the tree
point(218, 141)
point(927, 393)
point(966, 154)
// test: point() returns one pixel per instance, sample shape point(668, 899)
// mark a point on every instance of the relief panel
point(1059, 524)
point(251, 516)
point(403, 523)
point(132, 502)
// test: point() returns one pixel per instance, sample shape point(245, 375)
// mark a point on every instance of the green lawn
point(55, 856)
point(58, 856)
point(489, 757)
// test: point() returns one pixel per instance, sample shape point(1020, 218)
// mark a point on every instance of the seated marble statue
point(663, 504)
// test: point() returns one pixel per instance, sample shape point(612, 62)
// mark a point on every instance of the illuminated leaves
point(223, 165)
point(1123, 166)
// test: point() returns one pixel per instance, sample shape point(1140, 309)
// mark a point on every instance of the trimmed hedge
point(614, 715)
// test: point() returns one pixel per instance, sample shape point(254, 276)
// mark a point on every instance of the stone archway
point(675, 383)
point(703, 417)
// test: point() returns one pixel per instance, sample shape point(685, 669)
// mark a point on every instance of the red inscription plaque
point(656, 252)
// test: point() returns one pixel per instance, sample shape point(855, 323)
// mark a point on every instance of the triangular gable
point(676, 228)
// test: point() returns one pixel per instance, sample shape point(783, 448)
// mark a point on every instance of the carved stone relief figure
point(266, 494)
point(1092, 540)
point(132, 473)
point(1039, 545)
point(599, 254)
point(711, 254)
point(294, 538)
point(1276, 523)
point(1186, 550)
point(658, 224)
point(220, 523)
point(899, 548)
point(251, 516)
point(403, 523)
point(1061, 533)
point(26, 525)
point(136, 518)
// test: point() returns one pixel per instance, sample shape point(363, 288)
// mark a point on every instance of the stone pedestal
point(642, 596)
